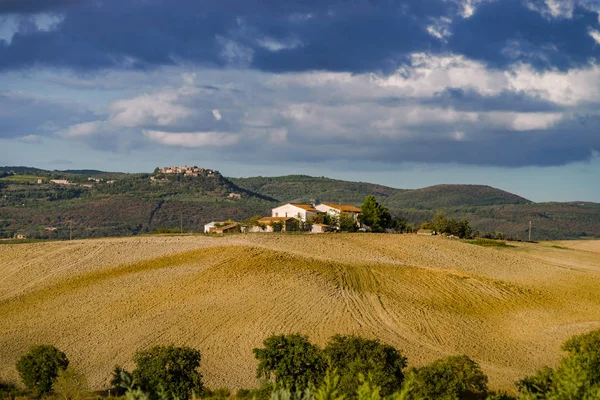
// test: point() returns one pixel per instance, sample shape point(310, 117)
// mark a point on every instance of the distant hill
point(142, 203)
point(298, 188)
point(303, 188)
point(442, 196)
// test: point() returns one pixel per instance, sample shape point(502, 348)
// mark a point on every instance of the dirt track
point(101, 300)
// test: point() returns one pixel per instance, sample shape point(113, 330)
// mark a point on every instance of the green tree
point(374, 214)
point(440, 222)
point(451, 378)
point(352, 356)
point(169, 369)
point(347, 223)
point(292, 360)
point(40, 367)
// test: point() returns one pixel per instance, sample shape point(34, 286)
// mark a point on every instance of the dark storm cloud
point(355, 35)
point(503, 32)
point(32, 6)
point(351, 35)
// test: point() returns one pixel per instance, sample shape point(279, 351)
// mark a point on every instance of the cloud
point(160, 109)
point(23, 115)
point(217, 115)
point(84, 129)
point(192, 139)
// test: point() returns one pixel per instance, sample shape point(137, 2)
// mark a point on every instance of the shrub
point(39, 368)
point(455, 377)
point(294, 362)
point(169, 369)
point(352, 356)
point(71, 385)
point(262, 393)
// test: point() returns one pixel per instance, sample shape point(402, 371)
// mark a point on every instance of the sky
point(406, 93)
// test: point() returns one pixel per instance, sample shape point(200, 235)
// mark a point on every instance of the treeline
point(293, 368)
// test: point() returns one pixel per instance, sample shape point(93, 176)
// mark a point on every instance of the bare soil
point(100, 300)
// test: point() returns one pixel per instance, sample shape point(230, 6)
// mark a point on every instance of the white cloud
point(535, 121)
point(561, 8)
point(160, 109)
point(595, 34)
point(276, 45)
point(235, 54)
point(84, 129)
point(217, 114)
point(31, 139)
point(189, 78)
point(192, 139)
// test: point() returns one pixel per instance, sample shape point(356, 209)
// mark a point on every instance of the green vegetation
point(455, 377)
point(488, 243)
point(134, 204)
point(352, 356)
point(40, 367)
point(349, 367)
point(374, 215)
point(291, 360)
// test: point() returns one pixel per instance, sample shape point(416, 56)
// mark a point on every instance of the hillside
point(101, 300)
point(302, 188)
point(134, 203)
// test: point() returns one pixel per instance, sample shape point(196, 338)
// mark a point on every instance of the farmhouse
point(336, 209)
point(211, 225)
point(61, 181)
point(302, 212)
point(279, 224)
point(231, 228)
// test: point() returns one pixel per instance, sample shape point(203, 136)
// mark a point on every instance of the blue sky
point(404, 93)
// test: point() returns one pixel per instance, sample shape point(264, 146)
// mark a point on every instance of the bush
point(352, 356)
point(576, 377)
point(294, 362)
point(71, 385)
point(39, 368)
point(168, 369)
point(262, 393)
point(455, 377)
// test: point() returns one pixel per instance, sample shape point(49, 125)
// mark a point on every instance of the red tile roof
point(343, 207)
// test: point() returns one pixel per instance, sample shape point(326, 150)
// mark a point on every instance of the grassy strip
point(488, 243)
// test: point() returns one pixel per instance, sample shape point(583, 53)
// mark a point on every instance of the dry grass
point(101, 300)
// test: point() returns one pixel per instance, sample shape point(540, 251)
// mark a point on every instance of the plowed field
point(101, 300)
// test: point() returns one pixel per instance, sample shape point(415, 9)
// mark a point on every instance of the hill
point(141, 203)
point(509, 309)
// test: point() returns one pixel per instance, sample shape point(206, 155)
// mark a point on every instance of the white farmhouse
point(302, 212)
point(210, 225)
point(335, 209)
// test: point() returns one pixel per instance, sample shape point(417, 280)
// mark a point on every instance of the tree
point(440, 222)
point(292, 360)
point(374, 214)
point(455, 377)
point(169, 369)
point(347, 223)
point(40, 367)
point(352, 356)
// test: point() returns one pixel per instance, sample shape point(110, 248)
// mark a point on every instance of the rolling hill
point(135, 204)
point(509, 309)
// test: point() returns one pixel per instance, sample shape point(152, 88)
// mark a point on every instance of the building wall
point(289, 210)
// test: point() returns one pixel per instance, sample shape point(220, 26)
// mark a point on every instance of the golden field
point(101, 300)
